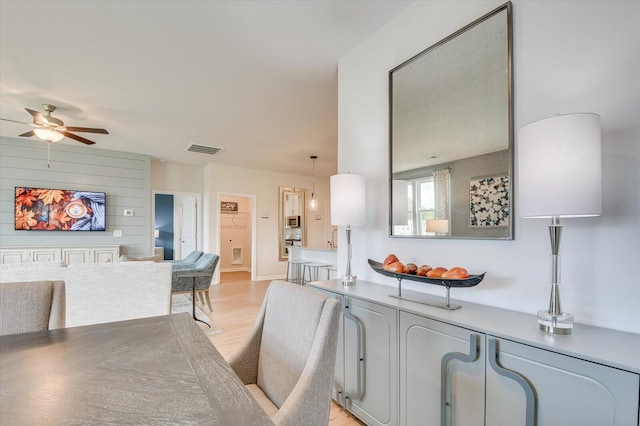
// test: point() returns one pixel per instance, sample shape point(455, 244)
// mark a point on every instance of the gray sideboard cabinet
point(366, 366)
point(478, 365)
point(442, 373)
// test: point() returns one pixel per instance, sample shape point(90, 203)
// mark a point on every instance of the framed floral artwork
point(489, 202)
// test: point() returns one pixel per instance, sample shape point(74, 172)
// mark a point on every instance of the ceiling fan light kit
point(48, 135)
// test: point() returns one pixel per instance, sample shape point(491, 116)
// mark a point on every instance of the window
point(420, 205)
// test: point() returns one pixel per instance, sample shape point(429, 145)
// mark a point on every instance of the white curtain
point(441, 187)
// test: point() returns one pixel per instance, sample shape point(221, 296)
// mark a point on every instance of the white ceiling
point(257, 78)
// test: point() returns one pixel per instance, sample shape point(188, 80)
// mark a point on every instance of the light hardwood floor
point(236, 302)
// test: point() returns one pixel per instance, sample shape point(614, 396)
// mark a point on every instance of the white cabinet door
point(441, 373)
point(106, 254)
point(77, 255)
point(45, 254)
point(562, 390)
point(370, 361)
point(9, 255)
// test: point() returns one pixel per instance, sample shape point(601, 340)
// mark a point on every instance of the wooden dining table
point(150, 371)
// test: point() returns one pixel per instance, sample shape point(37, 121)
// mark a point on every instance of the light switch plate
point(117, 232)
point(128, 212)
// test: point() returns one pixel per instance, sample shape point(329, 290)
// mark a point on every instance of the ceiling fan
point(51, 129)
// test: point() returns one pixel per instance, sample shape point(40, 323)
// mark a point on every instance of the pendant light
point(313, 203)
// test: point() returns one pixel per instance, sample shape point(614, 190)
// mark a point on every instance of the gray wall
point(462, 171)
point(124, 177)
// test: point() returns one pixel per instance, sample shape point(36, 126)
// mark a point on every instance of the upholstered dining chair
point(288, 361)
point(195, 277)
point(31, 306)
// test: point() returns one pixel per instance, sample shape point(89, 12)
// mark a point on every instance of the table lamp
point(438, 226)
point(348, 209)
point(560, 176)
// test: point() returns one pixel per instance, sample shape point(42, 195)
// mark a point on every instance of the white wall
point(265, 186)
point(569, 56)
point(176, 177)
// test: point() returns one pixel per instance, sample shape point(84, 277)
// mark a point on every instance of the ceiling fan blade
point(78, 138)
point(37, 116)
point(28, 134)
point(16, 121)
point(87, 130)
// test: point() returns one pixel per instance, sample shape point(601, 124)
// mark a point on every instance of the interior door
point(188, 241)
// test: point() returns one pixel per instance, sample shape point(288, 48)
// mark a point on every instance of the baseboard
point(271, 278)
point(243, 269)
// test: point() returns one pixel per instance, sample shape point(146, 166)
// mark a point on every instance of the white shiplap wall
point(124, 177)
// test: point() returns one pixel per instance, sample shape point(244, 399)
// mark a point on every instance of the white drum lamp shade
point(560, 167)
point(348, 199)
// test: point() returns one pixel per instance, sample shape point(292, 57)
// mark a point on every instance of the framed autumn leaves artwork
point(46, 209)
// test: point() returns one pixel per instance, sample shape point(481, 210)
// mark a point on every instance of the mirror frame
point(506, 6)
point(283, 254)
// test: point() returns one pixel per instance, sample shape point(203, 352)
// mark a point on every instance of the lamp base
point(555, 323)
point(349, 280)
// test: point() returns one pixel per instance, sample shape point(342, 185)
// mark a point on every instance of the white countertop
point(601, 345)
point(317, 249)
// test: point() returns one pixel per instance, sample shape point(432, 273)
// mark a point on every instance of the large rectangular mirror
point(292, 220)
point(451, 135)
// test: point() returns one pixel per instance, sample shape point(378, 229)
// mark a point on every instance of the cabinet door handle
point(445, 386)
point(360, 372)
point(531, 412)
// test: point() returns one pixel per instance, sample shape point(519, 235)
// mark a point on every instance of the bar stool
point(331, 272)
point(313, 268)
point(295, 266)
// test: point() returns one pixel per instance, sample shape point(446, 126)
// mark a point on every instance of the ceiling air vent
point(203, 149)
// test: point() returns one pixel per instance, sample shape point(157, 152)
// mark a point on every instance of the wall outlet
point(117, 232)
point(128, 212)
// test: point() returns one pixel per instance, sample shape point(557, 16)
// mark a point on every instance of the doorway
point(236, 233)
point(177, 222)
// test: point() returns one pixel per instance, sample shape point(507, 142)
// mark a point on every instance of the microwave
point(293, 221)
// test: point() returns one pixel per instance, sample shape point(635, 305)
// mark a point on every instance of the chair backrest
point(206, 263)
point(31, 306)
point(299, 324)
point(191, 257)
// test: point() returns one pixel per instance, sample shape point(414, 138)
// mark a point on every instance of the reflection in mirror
point(291, 220)
point(451, 135)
